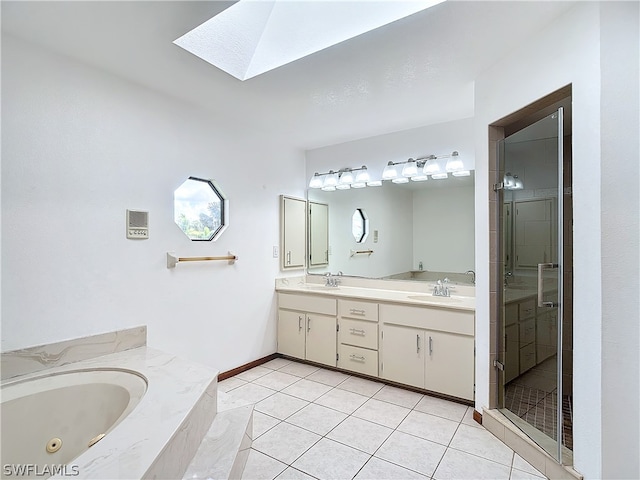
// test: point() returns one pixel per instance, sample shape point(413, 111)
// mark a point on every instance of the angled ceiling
point(413, 72)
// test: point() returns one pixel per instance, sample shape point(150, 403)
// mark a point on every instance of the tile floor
point(310, 422)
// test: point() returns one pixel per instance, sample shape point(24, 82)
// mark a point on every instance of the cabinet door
point(403, 355)
point(293, 218)
point(512, 352)
point(321, 339)
point(449, 364)
point(291, 333)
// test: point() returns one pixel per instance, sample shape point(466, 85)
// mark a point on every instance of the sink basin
point(432, 298)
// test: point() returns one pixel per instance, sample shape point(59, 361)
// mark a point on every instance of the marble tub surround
point(228, 441)
point(411, 293)
point(161, 435)
point(41, 357)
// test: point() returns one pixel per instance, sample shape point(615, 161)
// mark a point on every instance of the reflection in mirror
point(200, 209)
point(359, 225)
point(419, 230)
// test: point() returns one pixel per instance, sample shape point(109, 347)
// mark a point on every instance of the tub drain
point(54, 445)
point(96, 439)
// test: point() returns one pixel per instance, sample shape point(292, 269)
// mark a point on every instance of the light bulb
point(454, 163)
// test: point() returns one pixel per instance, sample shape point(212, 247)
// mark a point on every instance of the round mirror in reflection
point(200, 209)
point(360, 225)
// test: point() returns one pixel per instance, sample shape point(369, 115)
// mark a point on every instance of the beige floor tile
point(331, 460)
point(398, 396)
point(316, 418)
point(377, 469)
point(261, 467)
point(429, 427)
point(456, 465)
point(342, 400)
point(285, 442)
point(383, 413)
point(307, 389)
point(411, 452)
point(361, 434)
point(280, 405)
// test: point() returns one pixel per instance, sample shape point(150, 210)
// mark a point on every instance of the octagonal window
point(359, 225)
point(200, 209)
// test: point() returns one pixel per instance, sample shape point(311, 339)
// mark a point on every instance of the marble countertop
point(423, 299)
point(164, 430)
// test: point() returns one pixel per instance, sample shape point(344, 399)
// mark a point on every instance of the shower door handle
point(541, 268)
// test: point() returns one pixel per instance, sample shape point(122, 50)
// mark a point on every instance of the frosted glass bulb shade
point(432, 167)
point(400, 180)
point(390, 172)
point(421, 177)
point(330, 180)
point(454, 163)
point(316, 181)
point(509, 181)
point(346, 178)
point(410, 169)
point(362, 176)
point(518, 185)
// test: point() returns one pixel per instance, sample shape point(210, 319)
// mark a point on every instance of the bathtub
point(50, 420)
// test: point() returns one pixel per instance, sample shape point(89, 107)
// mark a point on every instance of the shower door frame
point(497, 132)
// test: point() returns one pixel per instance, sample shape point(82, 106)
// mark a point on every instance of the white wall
point(620, 220)
point(79, 147)
point(443, 229)
point(569, 51)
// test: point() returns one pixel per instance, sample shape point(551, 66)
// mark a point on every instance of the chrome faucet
point(441, 289)
point(331, 281)
point(473, 276)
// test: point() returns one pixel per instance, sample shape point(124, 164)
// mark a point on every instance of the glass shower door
point(532, 252)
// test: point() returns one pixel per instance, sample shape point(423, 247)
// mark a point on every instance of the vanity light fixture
point(343, 179)
point(512, 182)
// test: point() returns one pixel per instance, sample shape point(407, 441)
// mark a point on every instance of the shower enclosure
point(535, 322)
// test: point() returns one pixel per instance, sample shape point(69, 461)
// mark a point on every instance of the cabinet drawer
point(510, 313)
point(428, 318)
point(358, 333)
point(307, 303)
point(359, 360)
point(527, 331)
point(527, 357)
point(358, 309)
point(527, 309)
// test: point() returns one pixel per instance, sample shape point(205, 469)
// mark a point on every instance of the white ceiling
point(416, 71)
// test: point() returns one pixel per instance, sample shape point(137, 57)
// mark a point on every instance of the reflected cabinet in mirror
point(411, 231)
point(200, 209)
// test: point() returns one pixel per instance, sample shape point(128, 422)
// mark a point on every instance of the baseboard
point(246, 366)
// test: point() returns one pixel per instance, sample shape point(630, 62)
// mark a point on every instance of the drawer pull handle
point(430, 346)
point(299, 322)
point(308, 324)
point(355, 311)
point(359, 358)
point(357, 331)
point(417, 343)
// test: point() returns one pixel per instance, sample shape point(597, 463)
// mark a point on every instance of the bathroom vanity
point(407, 337)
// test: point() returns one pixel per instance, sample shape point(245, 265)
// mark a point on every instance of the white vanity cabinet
point(428, 348)
point(358, 336)
point(307, 327)
point(293, 227)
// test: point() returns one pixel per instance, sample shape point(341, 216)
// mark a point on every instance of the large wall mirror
point(200, 209)
point(416, 230)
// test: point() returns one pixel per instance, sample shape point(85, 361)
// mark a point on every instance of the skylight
point(254, 36)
